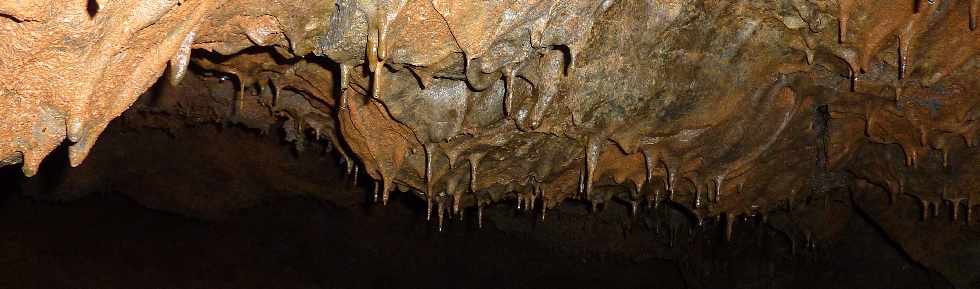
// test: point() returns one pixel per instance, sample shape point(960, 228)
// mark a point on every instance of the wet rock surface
point(724, 111)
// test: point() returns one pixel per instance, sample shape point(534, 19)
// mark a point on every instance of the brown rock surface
point(721, 108)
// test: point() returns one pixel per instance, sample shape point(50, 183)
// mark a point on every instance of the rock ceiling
point(721, 108)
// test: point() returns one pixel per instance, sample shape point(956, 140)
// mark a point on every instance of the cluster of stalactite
point(913, 99)
point(68, 69)
point(733, 115)
point(722, 108)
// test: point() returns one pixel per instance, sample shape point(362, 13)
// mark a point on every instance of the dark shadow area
point(92, 7)
point(10, 179)
point(210, 206)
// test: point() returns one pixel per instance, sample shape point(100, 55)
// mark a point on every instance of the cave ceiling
point(720, 108)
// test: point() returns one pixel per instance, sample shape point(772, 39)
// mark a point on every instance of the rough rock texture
point(723, 107)
point(70, 68)
point(719, 108)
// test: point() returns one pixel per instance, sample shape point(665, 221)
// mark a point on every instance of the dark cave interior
point(221, 206)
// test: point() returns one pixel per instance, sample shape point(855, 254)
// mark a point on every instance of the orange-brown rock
point(723, 108)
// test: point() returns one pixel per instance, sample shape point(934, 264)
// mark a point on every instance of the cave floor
point(107, 241)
